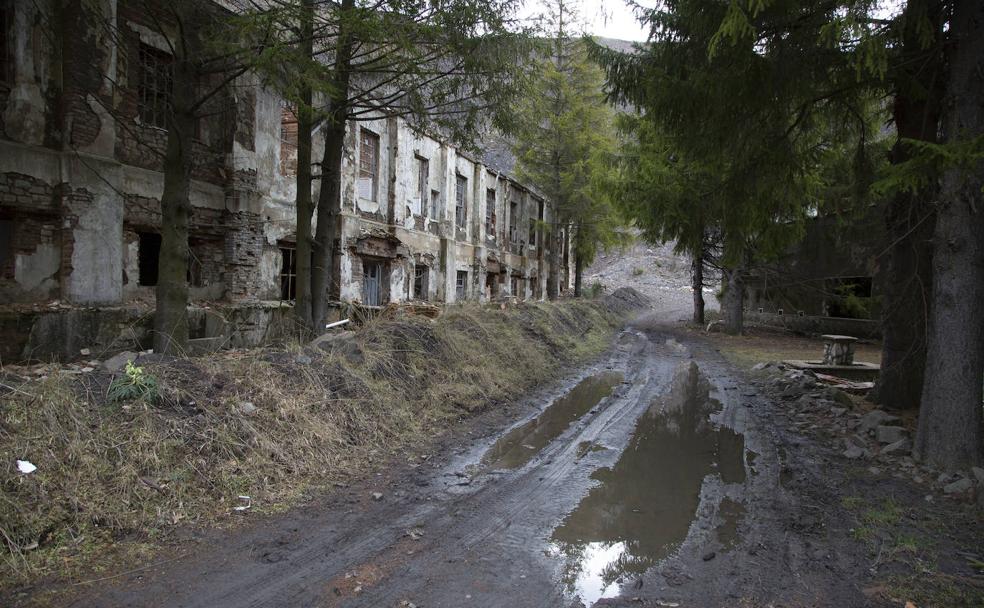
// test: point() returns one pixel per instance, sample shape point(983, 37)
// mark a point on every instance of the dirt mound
point(626, 299)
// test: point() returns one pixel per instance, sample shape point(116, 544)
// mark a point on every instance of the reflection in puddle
point(731, 513)
point(518, 446)
point(643, 507)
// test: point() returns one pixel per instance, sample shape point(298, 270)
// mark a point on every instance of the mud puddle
point(518, 446)
point(643, 507)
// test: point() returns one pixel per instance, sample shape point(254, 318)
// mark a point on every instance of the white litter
point(249, 503)
point(25, 467)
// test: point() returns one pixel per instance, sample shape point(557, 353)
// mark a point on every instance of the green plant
point(134, 384)
point(596, 290)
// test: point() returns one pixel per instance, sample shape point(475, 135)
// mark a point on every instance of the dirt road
point(653, 478)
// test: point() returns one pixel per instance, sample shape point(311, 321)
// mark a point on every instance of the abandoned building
point(81, 142)
point(825, 283)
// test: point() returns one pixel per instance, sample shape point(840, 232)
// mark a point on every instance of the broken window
point(288, 141)
point(490, 211)
point(420, 282)
point(491, 285)
point(532, 240)
point(372, 273)
point(7, 41)
point(154, 94)
point(460, 216)
point(288, 272)
point(148, 257)
point(6, 243)
point(461, 285)
point(195, 274)
point(514, 286)
point(513, 212)
point(423, 185)
point(368, 165)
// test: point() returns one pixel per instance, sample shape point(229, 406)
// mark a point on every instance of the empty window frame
point(435, 203)
point(372, 276)
point(6, 243)
point(288, 141)
point(420, 273)
point(513, 219)
point(514, 286)
point(368, 165)
point(423, 183)
point(532, 240)
point(288, 272)
point(490, 211)
point(7, 41)
point(154, 90)
point(148, 258)
point(461, 285)
point(460, 198)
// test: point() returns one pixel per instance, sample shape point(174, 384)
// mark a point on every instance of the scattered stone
point(889, 434)
point(959, 486)
point(246, 408)
point(709, 556)
point(902, 446)
point(874, 470)
point(876, 418)
point(978, 474)
point(302, 360)
point(377, 496)
point(85, 352)
point(118, 362)
point(86, 370)
point(760, 366)
point(854, 452)
point(838, 411)
point(839, 396)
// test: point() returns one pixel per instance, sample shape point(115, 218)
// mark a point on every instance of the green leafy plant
point(596, 290)
point(134, 384)
point(638, 271)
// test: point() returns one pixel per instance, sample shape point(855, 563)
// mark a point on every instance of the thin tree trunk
point(553, 272)
point(950, 432)
point(578, 273)
point(906, 274)
point(171, 315)
point(734, 301)
point(302, 303)
point(697, 284)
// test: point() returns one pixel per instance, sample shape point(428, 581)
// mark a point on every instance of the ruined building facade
point(81, 152)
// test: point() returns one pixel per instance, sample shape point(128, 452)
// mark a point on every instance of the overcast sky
point(608, 18)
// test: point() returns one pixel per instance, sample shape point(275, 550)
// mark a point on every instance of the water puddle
point(643, 507)
point(519, 445)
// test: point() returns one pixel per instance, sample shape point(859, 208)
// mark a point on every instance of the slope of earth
point(656, 271)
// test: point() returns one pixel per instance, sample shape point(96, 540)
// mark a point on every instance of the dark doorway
point(149, 255)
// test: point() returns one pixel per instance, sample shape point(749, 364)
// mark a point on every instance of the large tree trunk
point(302, 302)
point(171, 315)
point(734, 301)
point(906, 273)
point(329, 199)
point(950, 432)
point(697, 284)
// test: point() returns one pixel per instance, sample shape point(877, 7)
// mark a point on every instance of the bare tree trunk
point(329, 199)
point(578, 273)
point(734, 301)
point(553, 272)
point(906, 274)
point(950, 432)
point(171, 315)
point(302, 303)
point(697, 284)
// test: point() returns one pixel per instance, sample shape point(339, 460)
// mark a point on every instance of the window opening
point(460, 217)
point(288, 141)
point(288, 273)
point(423, 186)
point(368, 165)
point(461, 284)
point(513, 212)
point(490, 211)
point(371, 277)
point(6, 41)
point(148, 257)
point(154, 91)
point(420, 282)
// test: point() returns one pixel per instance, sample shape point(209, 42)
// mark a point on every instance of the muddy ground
point(659, 476)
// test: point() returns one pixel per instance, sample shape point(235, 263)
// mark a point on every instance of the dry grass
point(138, 470)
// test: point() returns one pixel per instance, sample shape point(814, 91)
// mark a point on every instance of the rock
point(959, 486)
point(759, 367)
point(118, 362)
point(978, 474)
point(377, 496)
point(876, 418)
point(302, 360)
point(838, 411)
point(246, 408)
point(902, 446)
point(854, 452)
point(86, 370)
point(326, 341)
point(709, 556)
point(85, 352)
point(889, 434)
point(839, 396)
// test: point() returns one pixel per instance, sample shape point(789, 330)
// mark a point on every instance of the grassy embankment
point(271, 424)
